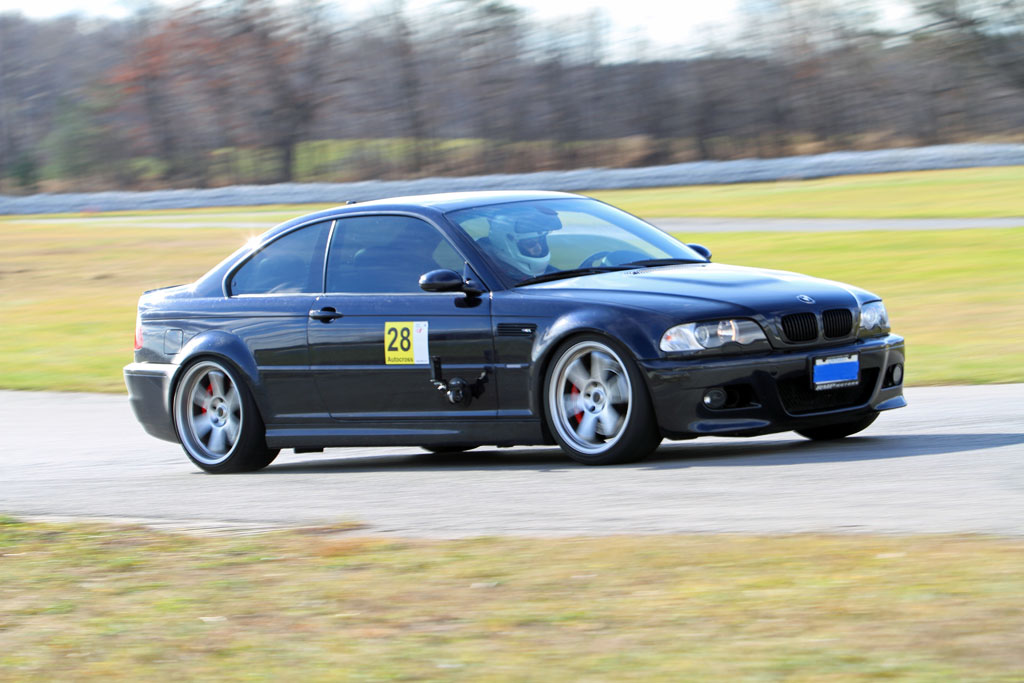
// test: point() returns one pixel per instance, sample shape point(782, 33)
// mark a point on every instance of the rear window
point(291, 264)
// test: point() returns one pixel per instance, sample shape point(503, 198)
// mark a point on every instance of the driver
point(521, 241)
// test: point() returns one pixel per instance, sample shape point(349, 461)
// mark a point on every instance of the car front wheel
point(597, 405)
point(217, 421)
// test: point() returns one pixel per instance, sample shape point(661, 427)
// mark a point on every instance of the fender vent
point(516, 329)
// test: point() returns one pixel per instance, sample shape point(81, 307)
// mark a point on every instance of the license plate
point(835, 372)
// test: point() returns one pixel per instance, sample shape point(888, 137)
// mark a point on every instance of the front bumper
point(149, 396)
point(771, 392)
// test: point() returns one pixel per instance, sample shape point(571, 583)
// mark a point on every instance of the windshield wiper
point(572, 272)
point(653, 262)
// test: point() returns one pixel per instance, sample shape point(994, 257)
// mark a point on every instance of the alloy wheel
point(209, 412)
point(589, 397)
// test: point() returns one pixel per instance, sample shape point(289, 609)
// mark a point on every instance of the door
point(271, 294)
point(372, 335)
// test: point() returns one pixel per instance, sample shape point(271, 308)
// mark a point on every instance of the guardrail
point(694, 173)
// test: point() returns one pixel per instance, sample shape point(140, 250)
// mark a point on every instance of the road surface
point(953, 461)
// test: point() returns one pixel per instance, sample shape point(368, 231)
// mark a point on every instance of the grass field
point(70, 293)
point(70, 284)
point(958, 193)
point(97, 602)
point(91, 602)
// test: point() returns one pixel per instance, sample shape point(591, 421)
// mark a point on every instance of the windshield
point(527, 240)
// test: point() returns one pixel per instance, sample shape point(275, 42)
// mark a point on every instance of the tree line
point(253, 91)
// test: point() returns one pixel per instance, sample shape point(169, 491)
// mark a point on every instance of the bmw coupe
point(458, 320)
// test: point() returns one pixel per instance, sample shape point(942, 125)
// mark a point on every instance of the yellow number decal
point(405, 343)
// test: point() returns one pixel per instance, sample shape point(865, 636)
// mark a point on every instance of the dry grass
point(955, 295)
point(70, 293)
point(93, 602)
point(957, 193)
point(70, 286)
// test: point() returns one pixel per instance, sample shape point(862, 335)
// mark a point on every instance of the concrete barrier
point(695, 173)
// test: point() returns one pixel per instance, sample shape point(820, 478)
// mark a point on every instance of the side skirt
point(484, 433)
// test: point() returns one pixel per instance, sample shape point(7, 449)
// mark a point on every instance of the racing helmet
point(521, 239)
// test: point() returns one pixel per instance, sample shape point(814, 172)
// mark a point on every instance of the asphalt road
point(951, 462)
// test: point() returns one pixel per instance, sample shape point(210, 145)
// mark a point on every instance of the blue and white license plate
point(835, 372)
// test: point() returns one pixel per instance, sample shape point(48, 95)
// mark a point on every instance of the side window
point(385, 254)
point(293, 263)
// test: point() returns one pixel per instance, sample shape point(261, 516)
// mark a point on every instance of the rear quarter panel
point(262, 337)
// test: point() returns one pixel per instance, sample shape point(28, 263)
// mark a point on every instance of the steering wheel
point(613, 258)
point(593, 259)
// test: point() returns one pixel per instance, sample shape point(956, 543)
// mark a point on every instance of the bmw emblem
point(806, 299)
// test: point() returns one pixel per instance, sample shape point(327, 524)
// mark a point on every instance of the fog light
point(715, 398)
point(894, 375)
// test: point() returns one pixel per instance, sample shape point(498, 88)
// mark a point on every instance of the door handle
point(325, 315)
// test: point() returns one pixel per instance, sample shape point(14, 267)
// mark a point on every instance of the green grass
point(957, 295)
point(70, 283)
point(70, 294)
point(97, 602)
point(959, 193)
point(70, 291)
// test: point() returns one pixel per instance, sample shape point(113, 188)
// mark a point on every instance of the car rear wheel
point(217, 421)
point(597, 405)
point(838, 430)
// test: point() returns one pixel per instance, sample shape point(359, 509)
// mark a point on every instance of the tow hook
point(456, 390)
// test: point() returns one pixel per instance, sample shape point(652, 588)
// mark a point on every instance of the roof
point(452, 201)
point(441, 203)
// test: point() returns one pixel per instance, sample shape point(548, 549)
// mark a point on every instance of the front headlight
point(711, 335)
point(874, 318)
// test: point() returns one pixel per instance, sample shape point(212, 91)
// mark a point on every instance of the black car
point(458, 320)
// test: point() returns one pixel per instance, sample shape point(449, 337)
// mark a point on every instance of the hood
point(709, 289)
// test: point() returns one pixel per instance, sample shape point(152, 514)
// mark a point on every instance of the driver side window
point(385, 254)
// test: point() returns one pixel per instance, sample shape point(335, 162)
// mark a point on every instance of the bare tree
point(258, 91)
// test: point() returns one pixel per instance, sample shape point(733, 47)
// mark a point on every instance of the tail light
point(138, 332)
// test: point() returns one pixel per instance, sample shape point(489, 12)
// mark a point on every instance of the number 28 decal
point(406, 343)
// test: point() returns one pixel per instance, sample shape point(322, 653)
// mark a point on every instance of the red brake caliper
point(209, 390)
point(576, 392)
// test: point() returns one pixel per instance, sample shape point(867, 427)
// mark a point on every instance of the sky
point(664, 28)
point(665, 23)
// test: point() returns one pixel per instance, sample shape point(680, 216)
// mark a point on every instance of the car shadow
point(670, 455)
point(800, 451)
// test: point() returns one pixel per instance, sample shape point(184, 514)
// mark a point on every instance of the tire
point(217, 421)
point(596, 403)
point(448, 449)
point(838, 430)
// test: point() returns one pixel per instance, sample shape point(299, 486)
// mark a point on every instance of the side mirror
point(701, 249)
point(445, 280)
